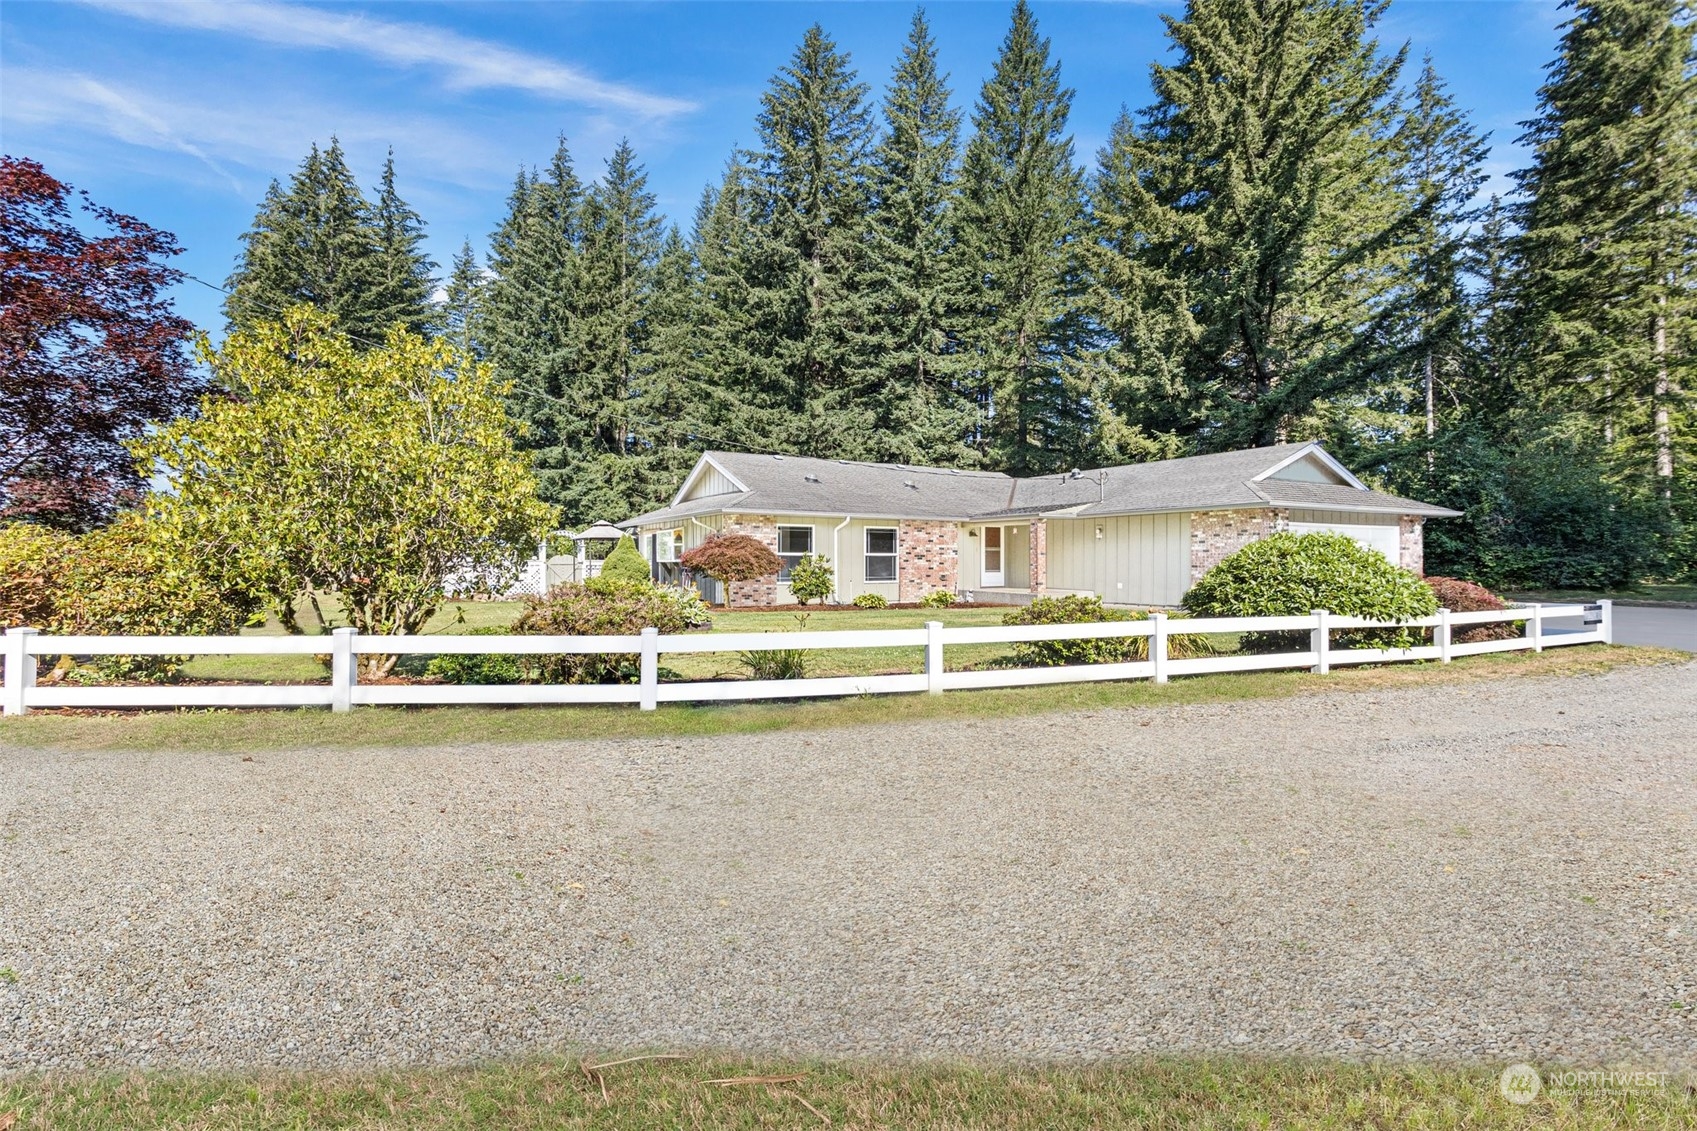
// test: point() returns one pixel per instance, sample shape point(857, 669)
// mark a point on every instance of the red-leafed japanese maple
point(732, 557)
point(90, 350)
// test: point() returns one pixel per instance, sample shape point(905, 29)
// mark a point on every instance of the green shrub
point(812, 579)
point(1075, 609)
point(1460, 596)
point(696, 613)
point(626, 564)
point(123, 579)
point(1294, 574)
point(937, 599)
point(480, 667)
point(600, 607)
point(32, 562)
point(871, 601)
point(780, 663)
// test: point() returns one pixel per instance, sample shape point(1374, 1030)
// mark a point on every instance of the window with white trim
point(880, 553)
point(794, 543)
point(668, 545)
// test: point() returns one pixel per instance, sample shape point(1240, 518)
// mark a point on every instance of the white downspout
point(710, 532)
point(837, 561)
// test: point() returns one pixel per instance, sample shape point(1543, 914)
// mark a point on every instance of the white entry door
point(992, 556)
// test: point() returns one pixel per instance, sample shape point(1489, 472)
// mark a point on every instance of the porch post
point(1038, 556)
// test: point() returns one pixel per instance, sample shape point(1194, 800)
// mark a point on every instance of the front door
point(992, 556)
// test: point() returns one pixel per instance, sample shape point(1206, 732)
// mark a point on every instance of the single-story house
point(1140, 534)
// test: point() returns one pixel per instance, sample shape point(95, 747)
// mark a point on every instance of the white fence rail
point(24, 647)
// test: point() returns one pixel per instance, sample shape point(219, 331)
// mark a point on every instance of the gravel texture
point(1494, 871)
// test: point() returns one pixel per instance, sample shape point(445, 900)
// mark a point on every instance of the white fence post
point(1535, 627)
point(1158, 646)
point(344, 668)
point(1608, 625)
point(20, 670)
point(650, 694)
point(1320, 642)
point(934, 657)
point(1444, 636)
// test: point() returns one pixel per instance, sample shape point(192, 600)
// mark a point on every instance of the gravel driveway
point(1500, 870)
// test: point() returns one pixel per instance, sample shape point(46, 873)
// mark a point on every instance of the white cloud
point(260, 135)
point(464, 62)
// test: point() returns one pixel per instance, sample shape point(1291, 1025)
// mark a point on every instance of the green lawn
point(199, 730)
point(1653, 593)
point(463, 617)
point(1203, 1092)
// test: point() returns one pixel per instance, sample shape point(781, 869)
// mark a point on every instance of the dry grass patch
point(1189, 1093)
point(438, 726)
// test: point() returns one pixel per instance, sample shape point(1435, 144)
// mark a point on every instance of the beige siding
point(712, 482)
point(1308, 470)
point(1346, 518)
point(1139, 559)
point(1016, 556)
point(971, 557)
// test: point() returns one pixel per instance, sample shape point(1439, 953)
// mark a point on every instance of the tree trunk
point(1431, 413)
point(1664, 430)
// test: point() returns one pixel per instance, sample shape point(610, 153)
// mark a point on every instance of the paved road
point(1660, 627)
point(1495, 870)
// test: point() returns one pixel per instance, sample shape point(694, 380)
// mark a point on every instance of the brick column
point(763, 591)
point(1038, 556)
point(927, 558)
point(1412, 544)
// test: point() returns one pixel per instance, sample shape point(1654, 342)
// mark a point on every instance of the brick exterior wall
point(1215, 535)
point(1037, 556)
point(927, 558)
point(765, 590)
point(1413, 544)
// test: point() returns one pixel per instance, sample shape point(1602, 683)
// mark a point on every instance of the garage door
point(1385, 539)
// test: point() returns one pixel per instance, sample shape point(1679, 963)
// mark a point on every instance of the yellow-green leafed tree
point(370, 475)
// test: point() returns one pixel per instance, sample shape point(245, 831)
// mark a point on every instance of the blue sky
point(180, 113)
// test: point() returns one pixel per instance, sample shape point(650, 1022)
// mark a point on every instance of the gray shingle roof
point(804, 485)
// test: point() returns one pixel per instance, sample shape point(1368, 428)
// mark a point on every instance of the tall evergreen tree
point(459, 320)
point(1442, 159)
point(810, 196)
point(407, 279)
point(1609, 227)
point(531, 333)
point(316, 242)
point(916, 281)
point(668, 404)
point(1256, 209)
point(1020, 218)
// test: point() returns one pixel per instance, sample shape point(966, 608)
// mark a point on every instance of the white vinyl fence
point(23, 646)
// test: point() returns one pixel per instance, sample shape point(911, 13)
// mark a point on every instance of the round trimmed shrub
point(812, 579)
point(626, 564)
point(871, 601)
point(937, 599)
point(1287, 575)
point(1460, 596)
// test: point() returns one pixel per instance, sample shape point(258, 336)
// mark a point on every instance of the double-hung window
point(880, 553)
point(794, 543)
